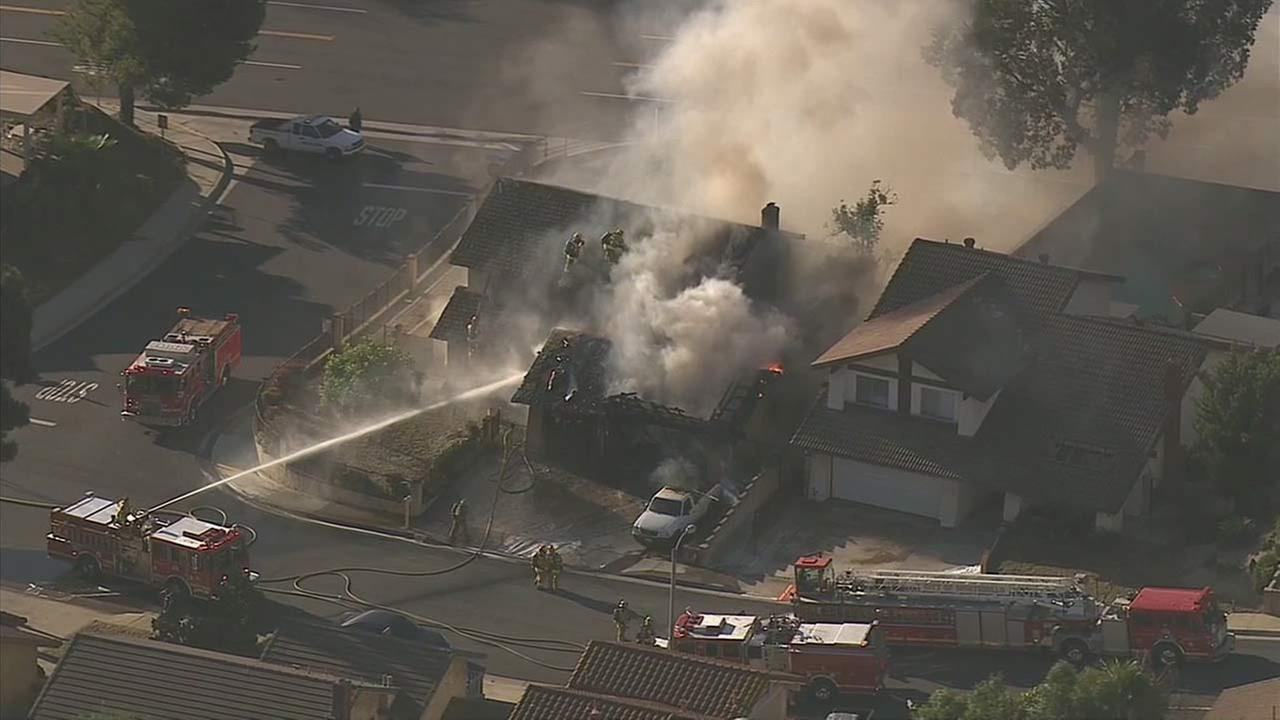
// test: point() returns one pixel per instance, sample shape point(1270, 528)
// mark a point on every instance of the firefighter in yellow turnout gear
point(614, 244)
point(621, 615)
point(645, 635)
point(554, 565)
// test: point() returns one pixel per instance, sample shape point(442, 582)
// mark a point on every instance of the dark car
point(385, 622)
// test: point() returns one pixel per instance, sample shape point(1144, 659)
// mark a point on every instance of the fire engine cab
point(1166, 625)
point(831, 657)
point(175, 375)
point(181, 554)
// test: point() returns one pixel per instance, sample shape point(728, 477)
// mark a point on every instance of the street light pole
point(671, 600)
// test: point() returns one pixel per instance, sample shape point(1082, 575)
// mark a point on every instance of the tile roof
point(930, 266)
point(1238, 327)
point(1164, 234)
point(1075, 427)
point(547, 703)
point(452, 323)
point(415, 668)
point(152, 680)
point(1259, 700)
point(691, 684)
point(890, 330)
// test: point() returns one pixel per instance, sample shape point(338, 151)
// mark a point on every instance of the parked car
point(315, 134)
point(385, 622)
point(669, 512)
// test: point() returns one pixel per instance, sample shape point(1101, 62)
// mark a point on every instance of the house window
point(938, 404)
point(870, 390)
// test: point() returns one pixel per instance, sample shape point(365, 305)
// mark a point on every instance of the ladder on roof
point(979, 586)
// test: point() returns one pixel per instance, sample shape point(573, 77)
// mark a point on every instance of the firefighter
point(572, 250)
point(536, 562)
point(645, 635)
point(458, 527)
point(473, 332)
point(620, 618)
point(554, 565)
point(122, 516)
point(614, 245)
point(356, 121)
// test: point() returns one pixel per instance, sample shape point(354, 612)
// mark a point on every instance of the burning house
point(521, 282)
point(576, 422)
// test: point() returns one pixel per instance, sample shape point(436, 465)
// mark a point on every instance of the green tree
point(170, 50)
point(227, 622)
point(13, 415)
point(15, 326)
point(1116, 691)
point(1036, 79)
point(863, 221)
point(1238, 423)
point(366, 374)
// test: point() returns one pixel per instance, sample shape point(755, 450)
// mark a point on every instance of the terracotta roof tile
point(931, 266)
point(690, 684)
point(547, 703)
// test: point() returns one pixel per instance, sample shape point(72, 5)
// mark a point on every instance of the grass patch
point(81, 198)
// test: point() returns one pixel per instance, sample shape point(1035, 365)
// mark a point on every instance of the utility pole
point(671, 600)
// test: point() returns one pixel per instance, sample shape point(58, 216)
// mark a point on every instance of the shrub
point(1235, 528)
point(366, 374)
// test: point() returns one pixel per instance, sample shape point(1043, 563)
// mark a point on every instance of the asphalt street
point(529, 66)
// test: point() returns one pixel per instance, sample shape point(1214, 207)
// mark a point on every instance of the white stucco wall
point(817, 476)
point(945, 500)
point(882, 362)
point(1091, 297)
point(1195, 391)
point(972, 412)
point(921, 371)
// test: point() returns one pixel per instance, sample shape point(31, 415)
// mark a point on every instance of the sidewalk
point(208, 174)
point(1253, 624)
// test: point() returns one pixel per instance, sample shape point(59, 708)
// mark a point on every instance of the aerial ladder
point(1006, 588)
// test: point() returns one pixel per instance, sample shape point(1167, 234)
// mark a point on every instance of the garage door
point(886, 487)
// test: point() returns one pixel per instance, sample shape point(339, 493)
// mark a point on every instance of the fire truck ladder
point(989, 586)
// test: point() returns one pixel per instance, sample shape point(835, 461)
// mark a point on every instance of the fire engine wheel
point(1166, 655)
point(175, 590)
point(1074, 651)
point(823, 690)
point(87, 568)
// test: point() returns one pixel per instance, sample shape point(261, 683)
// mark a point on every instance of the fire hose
point(348, 597)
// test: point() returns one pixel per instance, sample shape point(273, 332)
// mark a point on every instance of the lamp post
point(671, 602)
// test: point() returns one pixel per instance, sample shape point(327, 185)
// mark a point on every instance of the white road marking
point(32, 10)
point(411, 188)
point(42, 423)
point(296, 35)
point(67, 391)
point(25, 41)
point(617, 96)
point(309, 6)
point(379, 216)
point(282, 66)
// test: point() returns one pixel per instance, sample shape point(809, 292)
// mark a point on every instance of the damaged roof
point(569, 370)
point(1074, 427)
point(653, 675)
point(1039, 289)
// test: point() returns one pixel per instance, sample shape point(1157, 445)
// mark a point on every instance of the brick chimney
point(769, 217)
point(968, 242)
point(343, 698)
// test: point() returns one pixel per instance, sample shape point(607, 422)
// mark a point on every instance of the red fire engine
point(181, 554)
point(1166, 625)
point(177, 374)
point(832, 657)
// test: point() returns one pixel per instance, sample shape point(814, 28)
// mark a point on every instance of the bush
point(1264, 570)
point(367, 374)
point(1235, 529)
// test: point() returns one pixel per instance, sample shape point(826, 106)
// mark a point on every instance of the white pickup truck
point(669, 512)
point(315, 134)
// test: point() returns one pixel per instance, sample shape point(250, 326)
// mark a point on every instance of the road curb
point(153, 260)
point(1255, 633)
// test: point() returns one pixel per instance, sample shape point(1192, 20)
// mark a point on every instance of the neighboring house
point(1229, 331)
point(513, 253)
point(1255, 701)
point(426, 679)
point(980, 376)
point(101, 672)
point(29, 105)
point(623, 681)
point(20, 675)
point(1183, 246)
